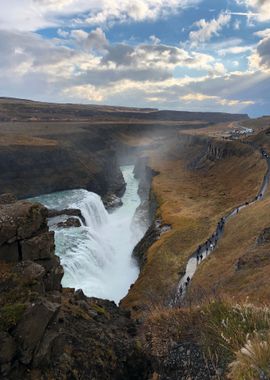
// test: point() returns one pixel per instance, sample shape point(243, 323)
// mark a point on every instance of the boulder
point(32, 275)
point(70, 222)
point(31, 328)
point(21, 220)
point(111, 201)
point(52, 213)
point(40, 247)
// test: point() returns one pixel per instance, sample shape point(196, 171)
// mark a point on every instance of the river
point(97, 258)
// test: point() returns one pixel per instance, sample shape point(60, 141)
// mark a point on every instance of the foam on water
point(98, 257)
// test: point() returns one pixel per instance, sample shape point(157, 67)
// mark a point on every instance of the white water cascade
point(97, 258)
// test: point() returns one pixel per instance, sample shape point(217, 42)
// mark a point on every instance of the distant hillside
point(27, 110)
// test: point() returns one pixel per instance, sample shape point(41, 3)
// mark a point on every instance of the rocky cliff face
point(47, 332)
point(33, 170)
point(146, 212)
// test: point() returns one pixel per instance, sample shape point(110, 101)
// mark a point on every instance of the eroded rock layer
point(47, 332)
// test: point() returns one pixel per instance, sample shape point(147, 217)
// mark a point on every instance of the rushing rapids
point(98, 257)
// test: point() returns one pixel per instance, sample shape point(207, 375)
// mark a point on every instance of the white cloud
point(235, 50)
point(35, 67)
point(84, 92)
point(198, 97)
point(208, 29)
point(263, 33)
point(154, 39)
point(260, 7)
point(79, 35)
point(31, 15)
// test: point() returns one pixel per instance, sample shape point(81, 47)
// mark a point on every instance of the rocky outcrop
point(147, 208)
point(70, 222)
point(156, 229)
point(146, 212)
point(218, 150)
point(74, 212)
point(111, 201)
point(47, 332)
point(185, 361)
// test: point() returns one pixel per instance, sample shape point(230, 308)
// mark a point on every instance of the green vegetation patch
point(10, 315)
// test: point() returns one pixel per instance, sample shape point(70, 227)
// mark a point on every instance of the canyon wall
point(50, 332)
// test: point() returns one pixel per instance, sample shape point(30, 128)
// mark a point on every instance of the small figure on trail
point(246, 203)
point(237, 211)
point(261, 195)
point(198, 258)
point(181, 290)
point(186, 284)
point(201, 257)
point(188, 279)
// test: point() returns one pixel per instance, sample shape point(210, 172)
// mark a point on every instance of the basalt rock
point(153, 234)
point(111, 201)
point(47, 332)
point(74, 212)
point(70, 222)
point(40, 247)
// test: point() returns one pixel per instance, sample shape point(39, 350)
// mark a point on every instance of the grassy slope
point(218, 273)
point(192, 201)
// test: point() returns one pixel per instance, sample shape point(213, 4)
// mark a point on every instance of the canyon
point(190, 170)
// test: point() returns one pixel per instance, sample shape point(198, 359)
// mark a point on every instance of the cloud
point(43, 69)
point(198, 97)
point(156, 56)
point(235, 50)
point(261, 7)
point(263, 51)
point(208, 29)
point(263, 33)
point(32, 15)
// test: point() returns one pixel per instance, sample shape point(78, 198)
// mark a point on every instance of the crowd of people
point(211, 243)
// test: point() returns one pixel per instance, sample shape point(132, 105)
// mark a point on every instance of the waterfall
point(92, 209)
point(98, 257)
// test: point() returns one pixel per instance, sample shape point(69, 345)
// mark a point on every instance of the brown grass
point(192, 201)
point(218, 273)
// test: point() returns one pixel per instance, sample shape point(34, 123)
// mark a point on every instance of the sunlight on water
point(98, 257)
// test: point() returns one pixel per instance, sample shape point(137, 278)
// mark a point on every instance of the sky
point(195, 55)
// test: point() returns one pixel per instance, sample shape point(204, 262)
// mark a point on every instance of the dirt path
point(209, 246)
